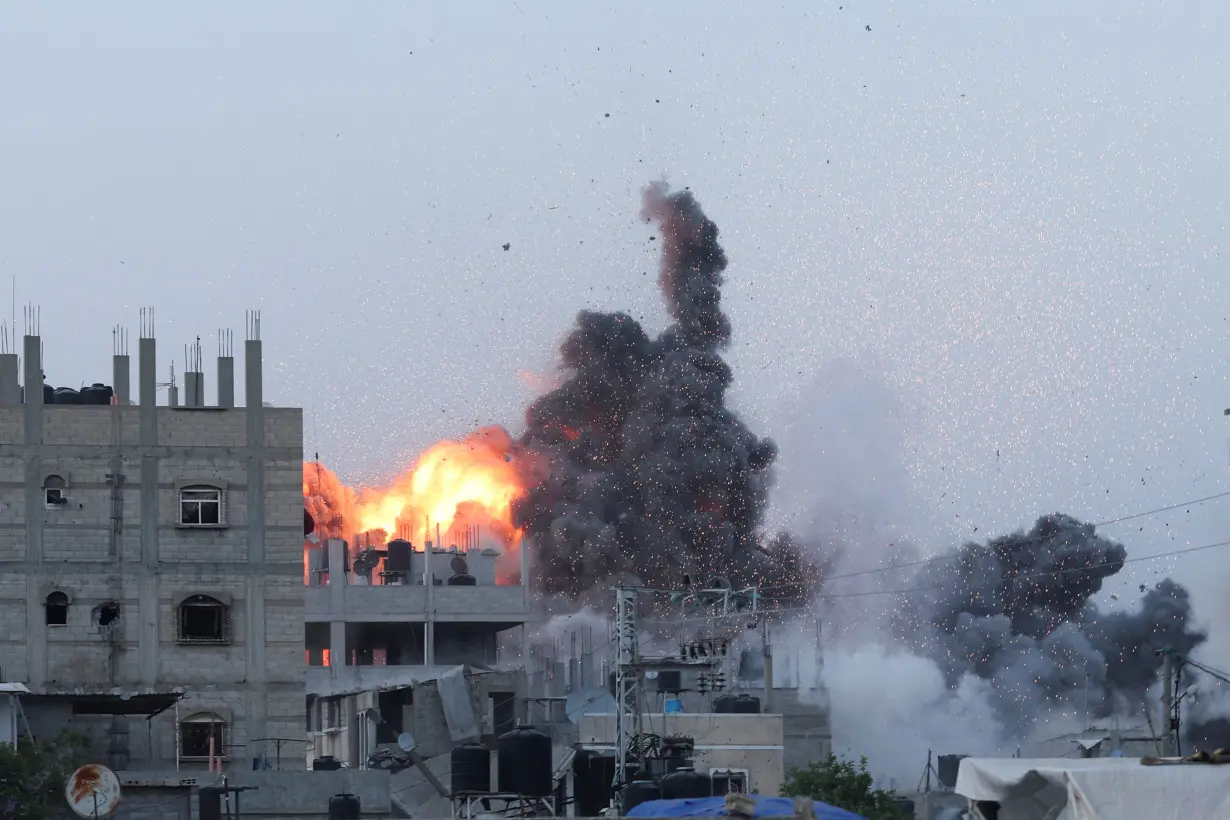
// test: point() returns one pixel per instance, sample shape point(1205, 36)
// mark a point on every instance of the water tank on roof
point(470, 764)
point(97, 394)
point(345, 807)
point(725, 704)
point(747, 705)
point(685, 784)
point(638, 792)
point(326, 763)
point(524, 763)
point(947, 768)
point(49, 394)
point(463, 580)
point(67, 395)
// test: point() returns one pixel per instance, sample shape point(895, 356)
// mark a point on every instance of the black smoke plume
point(638, 468)
point(1017, 612)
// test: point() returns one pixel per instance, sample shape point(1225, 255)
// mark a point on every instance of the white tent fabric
point(1096, 789)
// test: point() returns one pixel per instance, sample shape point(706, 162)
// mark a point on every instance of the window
point(57, 609)
point(53, 492)
point(201, 506)
point(195, 733)
point(203, 619)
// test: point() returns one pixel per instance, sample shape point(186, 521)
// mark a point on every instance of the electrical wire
point(934, 587)
point(952, 556)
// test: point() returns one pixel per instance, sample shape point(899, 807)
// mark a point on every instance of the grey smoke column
point(639, 470)
point(1016, 611)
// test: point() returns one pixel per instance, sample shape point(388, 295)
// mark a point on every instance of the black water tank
point(326, 763)
point(747, 705)
point(948, 767)
point(49, 394)
point(470, 764)
point(344, 807)
point(462, 580)
point(524, 762)
point(685, 784)
point(670, 681)
point(209, 803)
point(67, 395)
point(725, 704)
point(97, 394)
point(638, 792)
point(905, 806)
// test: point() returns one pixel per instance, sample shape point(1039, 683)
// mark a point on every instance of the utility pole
point(627, 682)
point(1167, 703)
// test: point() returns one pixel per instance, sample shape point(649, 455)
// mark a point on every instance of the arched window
point(202, 505)
point(56, 607)
point(54, 496)
point(203, 619)
point(196, 732)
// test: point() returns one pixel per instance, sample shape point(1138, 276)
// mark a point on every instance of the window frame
point(63, 601)
point(203, 601)
point(213, 719)
point(57, 484)
point(218, 502)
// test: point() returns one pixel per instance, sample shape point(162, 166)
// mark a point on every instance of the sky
point(976, 247)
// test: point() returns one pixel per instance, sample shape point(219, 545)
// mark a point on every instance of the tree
point(842, 784)
point(33, 773)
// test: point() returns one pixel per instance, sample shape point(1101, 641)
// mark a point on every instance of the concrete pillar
point(33, 380)
point(173, 396)
point(226, 381)
point(10, 387)
point(194, 389)
point(253, 384)
point(147, 390)
point(121, 374)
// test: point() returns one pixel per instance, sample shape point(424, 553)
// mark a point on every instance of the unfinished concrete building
point(381, 619)
point(150, 559)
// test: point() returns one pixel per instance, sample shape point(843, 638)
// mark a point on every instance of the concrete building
point(151, 560)
point(404, 639)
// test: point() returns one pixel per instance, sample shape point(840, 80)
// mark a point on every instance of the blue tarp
point(716, 807)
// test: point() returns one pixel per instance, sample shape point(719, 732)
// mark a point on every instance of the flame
point(453, 486)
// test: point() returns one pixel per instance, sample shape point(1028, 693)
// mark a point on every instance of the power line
point(1021, 576)
point(952, 556)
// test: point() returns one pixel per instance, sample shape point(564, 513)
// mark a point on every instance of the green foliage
point(32, 776)
point(842, 784)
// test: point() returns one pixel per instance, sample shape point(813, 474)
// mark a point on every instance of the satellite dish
point(92, 791)
point(405, 742)
point(458, 565)
point(596, 701)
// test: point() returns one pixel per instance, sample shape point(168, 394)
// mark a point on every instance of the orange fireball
point(452, 488)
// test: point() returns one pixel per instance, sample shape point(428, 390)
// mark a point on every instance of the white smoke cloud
point(893, 707)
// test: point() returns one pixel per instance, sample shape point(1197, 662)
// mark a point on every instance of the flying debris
point(637, 468)
point(1017, 611)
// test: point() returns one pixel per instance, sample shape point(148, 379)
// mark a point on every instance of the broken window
point(57, 609)
point(203, 619)
point(106, 614)
point(201, 506)
point(196, 732)
point(53, 492)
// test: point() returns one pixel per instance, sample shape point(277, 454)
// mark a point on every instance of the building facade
point(151, 562)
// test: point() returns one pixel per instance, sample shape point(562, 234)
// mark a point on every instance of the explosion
point(1018, 611)
point(631, 463)
point(453, 488)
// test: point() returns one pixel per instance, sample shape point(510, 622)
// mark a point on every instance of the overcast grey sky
point(1009, 216)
